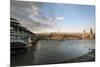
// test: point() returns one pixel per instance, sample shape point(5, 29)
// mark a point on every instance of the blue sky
point(53, 17)
point(73, 16)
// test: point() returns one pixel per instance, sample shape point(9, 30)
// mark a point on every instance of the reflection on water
point(53, 51)
point(56, 51)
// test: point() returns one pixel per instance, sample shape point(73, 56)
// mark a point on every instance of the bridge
point(20, 34)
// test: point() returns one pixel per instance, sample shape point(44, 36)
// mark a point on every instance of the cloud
point(59, 18)
point(35, 10)
point(29, 15)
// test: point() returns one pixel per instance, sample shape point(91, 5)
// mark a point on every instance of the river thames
point(53, 51)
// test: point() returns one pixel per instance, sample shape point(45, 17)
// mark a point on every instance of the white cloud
point(35, 10)
point(59, 18)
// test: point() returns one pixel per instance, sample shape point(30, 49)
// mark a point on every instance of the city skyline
point(54, 17)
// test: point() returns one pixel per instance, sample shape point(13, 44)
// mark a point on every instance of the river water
point(54, 51)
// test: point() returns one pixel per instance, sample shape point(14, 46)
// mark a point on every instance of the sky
point(53, 17)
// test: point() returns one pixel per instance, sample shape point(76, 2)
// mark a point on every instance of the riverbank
point(90, 56)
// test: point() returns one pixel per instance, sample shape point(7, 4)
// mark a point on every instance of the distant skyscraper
point(84, 31)
point(91, 34)
point(91, 31)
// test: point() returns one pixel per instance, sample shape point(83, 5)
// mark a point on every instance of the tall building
point(91, 34)
point(91, 31)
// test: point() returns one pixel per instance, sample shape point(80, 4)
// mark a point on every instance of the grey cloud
point(22, 10)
